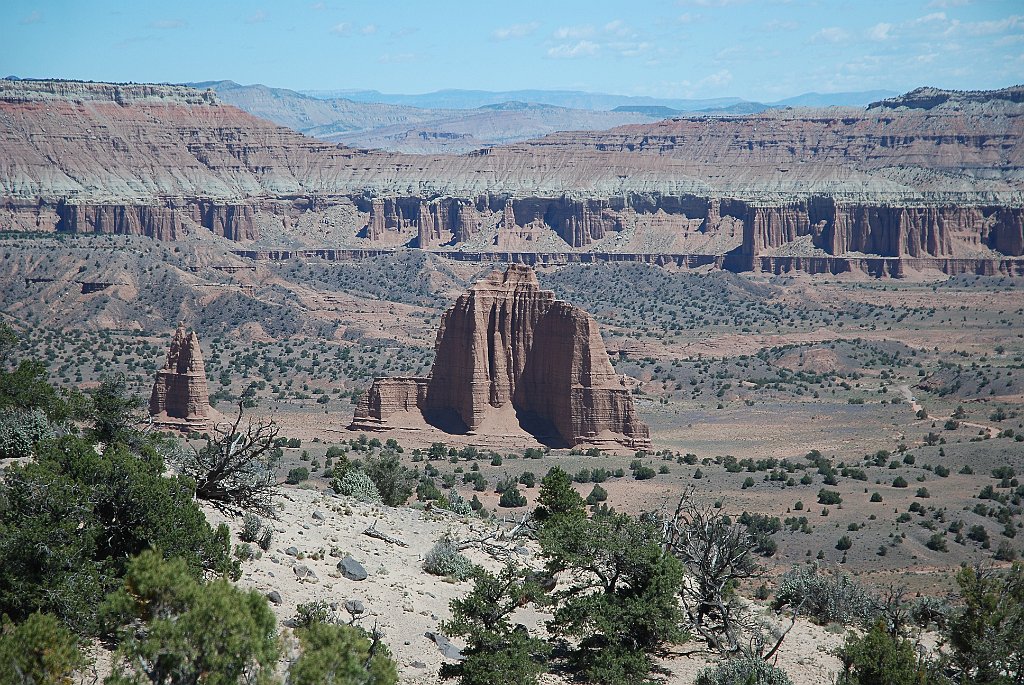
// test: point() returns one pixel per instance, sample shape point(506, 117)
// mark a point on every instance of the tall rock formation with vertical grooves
point(180, 398)
point(509, 352)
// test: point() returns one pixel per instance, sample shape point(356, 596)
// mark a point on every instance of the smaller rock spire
point(180, 397)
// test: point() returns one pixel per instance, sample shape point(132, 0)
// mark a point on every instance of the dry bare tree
point(235, 470)
point(717, 553)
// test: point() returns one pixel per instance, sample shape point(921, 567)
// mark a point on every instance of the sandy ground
point(405, 602)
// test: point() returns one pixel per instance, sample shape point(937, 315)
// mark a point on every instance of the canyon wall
point(935, 181)
point(877, 229)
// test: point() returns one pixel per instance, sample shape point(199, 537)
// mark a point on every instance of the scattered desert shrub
point(927, 611)
point(444, 559)
point(71, 518)
point(829, 497)
point(761, 528)
point(644, 473)
point(395, 482)
point(21, 431)
point(199, 632)
point(297, 475)
point(427, 490)
point(512, 498)
point(878, 657)
point(597, 495)
point(355, 483)
point(937, 543)
point(251, 527)
point(40, 651)
point(743, 671)
point(309, 613)
point(341, 655)
point(825, 597)
point(458, 503)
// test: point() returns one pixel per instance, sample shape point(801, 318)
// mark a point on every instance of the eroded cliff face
point(507, 351)
point(162, 222)
point(884, 230)
point(180, 398)
point(936, 182)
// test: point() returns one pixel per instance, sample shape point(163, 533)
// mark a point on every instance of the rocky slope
point(944, 182)
point(509, 353)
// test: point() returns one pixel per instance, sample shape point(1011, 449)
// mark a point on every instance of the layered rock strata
point(874, 266)
point(931, 175)
point(509, 351)
point(180, 398)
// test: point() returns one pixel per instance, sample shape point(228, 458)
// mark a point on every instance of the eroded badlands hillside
point(934, 177)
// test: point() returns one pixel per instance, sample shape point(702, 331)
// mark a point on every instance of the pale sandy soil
point(405, 602)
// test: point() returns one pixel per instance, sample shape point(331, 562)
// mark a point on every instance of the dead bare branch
point(717, 553)
point(376, 534)
point(235, 470)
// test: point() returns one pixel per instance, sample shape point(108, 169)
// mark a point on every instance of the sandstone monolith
point(508, 351)
point(180, 398)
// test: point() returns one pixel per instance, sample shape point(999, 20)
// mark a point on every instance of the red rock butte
point(180, 398)
point(510, 356)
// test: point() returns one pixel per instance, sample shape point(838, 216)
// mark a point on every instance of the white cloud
point(881, 31)
point(868, 64)
point(831, 34)
point(688, 17)
point(929, 18)
point(619, 28)
point(1010, 40)
point(318, 6)
point(716, 80)
point(258, 17)
point(574, 32)
point(988, 28)
point(710, 3)
point(342, 29)
point(515, 31)
point(630, 49)
point(945, 4)
point(368, 30)
point(169, 24)
point(583, 48)
point(396, 57)
point(780, 25)
point(32, 18)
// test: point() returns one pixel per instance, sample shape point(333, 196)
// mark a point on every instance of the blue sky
point(755, 49)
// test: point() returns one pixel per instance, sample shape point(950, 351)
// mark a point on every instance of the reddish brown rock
point(387, 396)
point(376, 227)
point(508, 351)
point(180, 398)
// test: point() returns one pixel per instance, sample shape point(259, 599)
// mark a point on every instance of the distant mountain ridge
point(471, 99)
point(850, 99)
point(403, 128)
